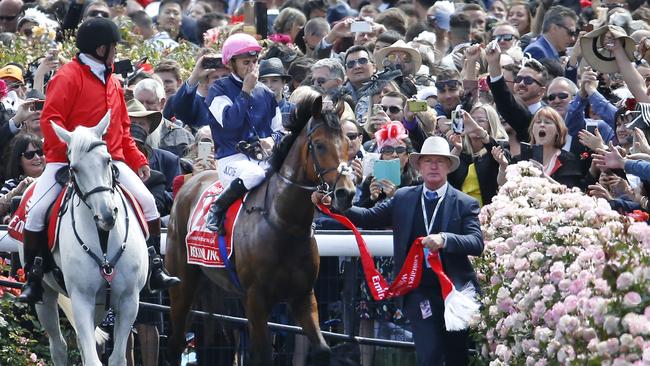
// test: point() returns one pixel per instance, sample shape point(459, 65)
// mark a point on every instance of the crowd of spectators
point(564, 83)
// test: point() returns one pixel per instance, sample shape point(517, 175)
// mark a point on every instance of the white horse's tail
point(65, 304)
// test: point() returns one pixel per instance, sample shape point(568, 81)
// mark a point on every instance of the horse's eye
point(321, 148)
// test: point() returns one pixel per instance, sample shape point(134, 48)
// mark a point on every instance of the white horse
point(95, 204)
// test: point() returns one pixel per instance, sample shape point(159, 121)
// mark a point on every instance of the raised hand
point(610, 158)
point(250, 80)
point(592, 141)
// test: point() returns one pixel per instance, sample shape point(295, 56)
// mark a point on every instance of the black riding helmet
point(96, 32)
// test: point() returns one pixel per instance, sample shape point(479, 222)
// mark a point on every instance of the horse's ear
point(317, 107)
point(61, 132)
point(102, 126)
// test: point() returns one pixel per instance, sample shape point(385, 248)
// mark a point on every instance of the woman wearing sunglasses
point(477, 173)
point(392, 143)
point(25, 163)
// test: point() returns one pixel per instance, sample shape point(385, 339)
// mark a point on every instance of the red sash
point(409, 276)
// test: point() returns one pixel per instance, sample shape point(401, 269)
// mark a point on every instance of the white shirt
point(533, 108)
point(96, 67)
point(441, 191)
point(441, 196)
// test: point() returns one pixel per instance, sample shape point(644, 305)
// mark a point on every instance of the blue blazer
point(541, 49)
point(460, 224)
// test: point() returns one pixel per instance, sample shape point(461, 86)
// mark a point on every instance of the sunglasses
point(320, 81)
point(504, 37)
point(431, 19)
point(8, 18)
point(563, 96)
point(528, 80)
point(389, 150)
point(353, 136)
point(572, 32)
point(98, 14)
point(360, 61)
point(451, 84)
point(29, 155)
point(405, 57)
point(391, 109)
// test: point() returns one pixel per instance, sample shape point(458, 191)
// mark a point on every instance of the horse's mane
point(298, 120)
point(82, 138)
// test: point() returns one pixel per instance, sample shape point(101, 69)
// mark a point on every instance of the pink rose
point(624, 281)
point(632, 299)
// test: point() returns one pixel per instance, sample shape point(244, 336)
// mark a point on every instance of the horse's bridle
point(97, 189)
point(342, 169)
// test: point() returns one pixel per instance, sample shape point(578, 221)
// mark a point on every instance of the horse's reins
point(106, 266)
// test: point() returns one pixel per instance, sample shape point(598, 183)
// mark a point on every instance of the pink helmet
point(239, 44)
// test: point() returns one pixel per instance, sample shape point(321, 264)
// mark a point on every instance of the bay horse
point(96, 205)
point(275, 254)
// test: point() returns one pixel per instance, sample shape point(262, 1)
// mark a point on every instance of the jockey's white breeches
point(251, 172)
point(47, 190)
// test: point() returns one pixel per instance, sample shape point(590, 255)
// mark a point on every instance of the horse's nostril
point(343, 195)
point(96, 217)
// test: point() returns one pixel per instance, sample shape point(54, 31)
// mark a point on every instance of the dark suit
point(515, 114)
point(541, 49)
point(458, 218)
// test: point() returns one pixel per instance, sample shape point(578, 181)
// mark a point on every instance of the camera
point(253, 149)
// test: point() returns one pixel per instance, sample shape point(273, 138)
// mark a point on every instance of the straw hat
point(593, 49)
point(435, 145)
point(136, 109)
point(400, 45)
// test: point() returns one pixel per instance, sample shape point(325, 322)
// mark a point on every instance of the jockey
point(80, 94)
point(242, 111)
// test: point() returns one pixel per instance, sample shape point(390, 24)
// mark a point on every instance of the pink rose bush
point(566, 280)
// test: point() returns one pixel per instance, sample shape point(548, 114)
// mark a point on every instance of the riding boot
point(34, 245)
point(217, 214)
point(160, 278)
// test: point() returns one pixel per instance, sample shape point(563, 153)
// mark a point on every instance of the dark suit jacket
point(517, 115)
point(542, 49)
point(166, 163)
point(572, 172)
point(459, 222)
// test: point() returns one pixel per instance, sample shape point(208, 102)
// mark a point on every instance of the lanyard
point(429, 225)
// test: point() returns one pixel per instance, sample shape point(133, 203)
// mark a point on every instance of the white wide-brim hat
point(593, 49)
point(435, 145)
point(400, 45)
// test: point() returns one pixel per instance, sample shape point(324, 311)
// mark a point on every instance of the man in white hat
point(448, 220)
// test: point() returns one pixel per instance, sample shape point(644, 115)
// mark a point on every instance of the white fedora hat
point(435, 145)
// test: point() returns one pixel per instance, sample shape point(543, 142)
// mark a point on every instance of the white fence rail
point(331, 243)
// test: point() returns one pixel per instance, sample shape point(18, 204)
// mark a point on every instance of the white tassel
point(460, 308)
point(101, 336)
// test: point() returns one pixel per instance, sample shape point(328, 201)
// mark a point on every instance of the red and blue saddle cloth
point(202, 244)
point(17, 223)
